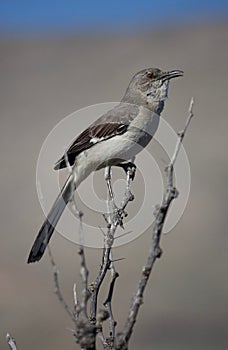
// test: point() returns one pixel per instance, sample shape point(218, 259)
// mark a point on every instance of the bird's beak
point(172, 74)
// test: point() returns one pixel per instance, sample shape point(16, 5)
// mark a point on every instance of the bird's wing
point(114, 122)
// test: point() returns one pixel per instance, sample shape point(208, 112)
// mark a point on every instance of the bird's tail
point(50, 223)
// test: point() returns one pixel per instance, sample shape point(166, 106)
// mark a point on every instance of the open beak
point(172, 74)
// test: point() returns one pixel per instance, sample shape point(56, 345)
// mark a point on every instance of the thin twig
point(155, 251)
point(84, 276)
point(181, 134)
point(98, 281)
point(11, 341)
point(108, 301)
point(103, 340)
point(57, 286)
point(83, 271)
point(76, 302)
point(75, 296)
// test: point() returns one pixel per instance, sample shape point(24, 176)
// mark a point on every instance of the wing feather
point(114, 122)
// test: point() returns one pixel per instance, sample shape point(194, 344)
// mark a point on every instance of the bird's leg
point(109, 184)
point(110, 190)
point(129, 166)
point(113, 212)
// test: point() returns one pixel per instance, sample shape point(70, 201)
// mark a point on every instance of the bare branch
point(57, 286)
point(84, 276)
point(11, 341)
point(96, 285)
point(155, 251)
point(108, 301)
point(114, 219)
point(103, 340)
point(76, 302)
point(182, 133)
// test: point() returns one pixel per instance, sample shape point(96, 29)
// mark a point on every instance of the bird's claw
point(129, 167)
point(117, 215)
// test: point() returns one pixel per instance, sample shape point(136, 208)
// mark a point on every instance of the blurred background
point(59, 56)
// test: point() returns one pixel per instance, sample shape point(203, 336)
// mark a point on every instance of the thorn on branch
point(158, 252)
point(174, 192)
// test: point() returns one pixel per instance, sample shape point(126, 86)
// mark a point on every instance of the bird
point(114, 138)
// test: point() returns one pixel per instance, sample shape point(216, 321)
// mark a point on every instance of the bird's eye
point(149, 75)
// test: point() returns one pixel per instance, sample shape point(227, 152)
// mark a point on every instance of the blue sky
point(40, 16)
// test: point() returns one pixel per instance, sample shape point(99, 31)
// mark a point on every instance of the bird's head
point(149, 88)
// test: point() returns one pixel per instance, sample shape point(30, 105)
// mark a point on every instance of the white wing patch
point(96, 140)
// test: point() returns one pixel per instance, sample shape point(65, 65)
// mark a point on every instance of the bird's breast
point(143, 126)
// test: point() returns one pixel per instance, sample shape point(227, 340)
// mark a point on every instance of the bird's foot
point(119, 215)
point(116, 216)
point(128, 167)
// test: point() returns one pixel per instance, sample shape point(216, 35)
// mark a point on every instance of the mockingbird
point(115, 137)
